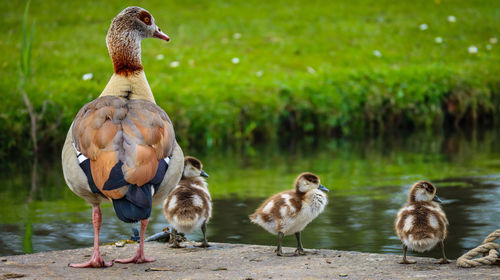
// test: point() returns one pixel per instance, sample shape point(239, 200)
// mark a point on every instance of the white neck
point(133, 86)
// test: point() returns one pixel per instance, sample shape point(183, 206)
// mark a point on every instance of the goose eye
point(145, 17)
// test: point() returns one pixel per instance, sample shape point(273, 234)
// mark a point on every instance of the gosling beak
point(322, 188)
point(204, 174)
point(437, 199)
point(160, 35)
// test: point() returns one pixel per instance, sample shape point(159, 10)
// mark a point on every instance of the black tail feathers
point(136, 205)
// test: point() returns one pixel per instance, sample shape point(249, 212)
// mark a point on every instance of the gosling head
point(193, 168)
point(308, 181)
point(124, 37)
point(423, 191)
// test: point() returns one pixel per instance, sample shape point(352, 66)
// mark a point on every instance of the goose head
point(124, 38)
point(308, 181)
point(423, 191)
point(193, 168)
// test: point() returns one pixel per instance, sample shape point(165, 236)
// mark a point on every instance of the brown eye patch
point(145, 17)
point(311, 178)
point(427, 186)
point(195, 163)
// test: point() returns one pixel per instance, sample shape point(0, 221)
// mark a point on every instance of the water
point(368, 179)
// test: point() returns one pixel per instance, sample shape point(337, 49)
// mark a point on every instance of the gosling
point(189, 205)
point(291, 211)
point(421, 223)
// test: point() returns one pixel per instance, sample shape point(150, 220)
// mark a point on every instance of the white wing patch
point(433, 222)
point(269, 206)
point(408, 223)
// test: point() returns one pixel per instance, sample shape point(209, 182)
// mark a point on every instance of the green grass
point(319, 72)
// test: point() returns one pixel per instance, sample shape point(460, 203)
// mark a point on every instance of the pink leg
point(139, 255)
point(96, 259)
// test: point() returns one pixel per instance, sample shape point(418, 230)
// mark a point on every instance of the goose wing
point(124, 141)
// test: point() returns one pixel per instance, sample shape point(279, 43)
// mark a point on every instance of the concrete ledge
point(234, 261)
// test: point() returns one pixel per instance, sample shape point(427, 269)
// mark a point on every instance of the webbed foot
point(300, 252)
point(405, 261)
point(443, 261)
point(203, 244)
point(95, 262)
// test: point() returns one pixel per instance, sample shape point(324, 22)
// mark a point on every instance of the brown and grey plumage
point(189, 205)
point(121, 147)
point(289, 212)
point(421, 223)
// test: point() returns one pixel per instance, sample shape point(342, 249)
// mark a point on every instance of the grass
point(305, 67)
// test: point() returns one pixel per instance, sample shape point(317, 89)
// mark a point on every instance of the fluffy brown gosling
point(421, 223)
point(189, 206)
point(289, 212)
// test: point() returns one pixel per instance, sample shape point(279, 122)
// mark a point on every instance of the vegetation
point(259, 70)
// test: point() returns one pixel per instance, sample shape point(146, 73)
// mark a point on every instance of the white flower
point(438, 40)
point(377, 53)
point(237, 36)
point(160, 57)
point(489, 47)
point(423, 26)
point(472, 49)
point(311, 70)
point(174, 64)
point(452, 19)
point(235, 60)
point(259, 73)
point(88, 76)
point(493, 40)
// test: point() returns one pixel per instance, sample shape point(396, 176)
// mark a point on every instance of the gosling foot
point(443, 261)
point(405, 261)
point(300, 252)
point(203, 244)
point(177, 245)
point(279, 252)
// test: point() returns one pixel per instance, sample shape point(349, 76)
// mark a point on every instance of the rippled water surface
point(368, 179)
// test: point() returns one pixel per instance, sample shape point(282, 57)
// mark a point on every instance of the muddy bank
point(234, 261)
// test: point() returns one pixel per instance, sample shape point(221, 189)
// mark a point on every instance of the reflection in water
point(369, 182)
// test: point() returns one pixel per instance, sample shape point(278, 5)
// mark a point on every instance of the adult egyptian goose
point(421, 223)
point(189, 205)
point(291, 211)
point(121, 147)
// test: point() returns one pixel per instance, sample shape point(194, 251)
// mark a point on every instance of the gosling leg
point(444, 260)
point(204, 244)
point(278, 250)
point(405, 261)
point(300, 249)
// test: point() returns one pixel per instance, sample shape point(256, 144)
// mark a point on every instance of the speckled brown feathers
point(290, 201)
point(290, 211)
point(189, 205)
point(137, 132)
point(421, 223)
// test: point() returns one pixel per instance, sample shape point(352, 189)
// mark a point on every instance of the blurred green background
point(253, 71)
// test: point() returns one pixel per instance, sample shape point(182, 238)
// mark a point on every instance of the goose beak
point(437, 199)
point(322, 188)
point(204, 174)
point(160, 35)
